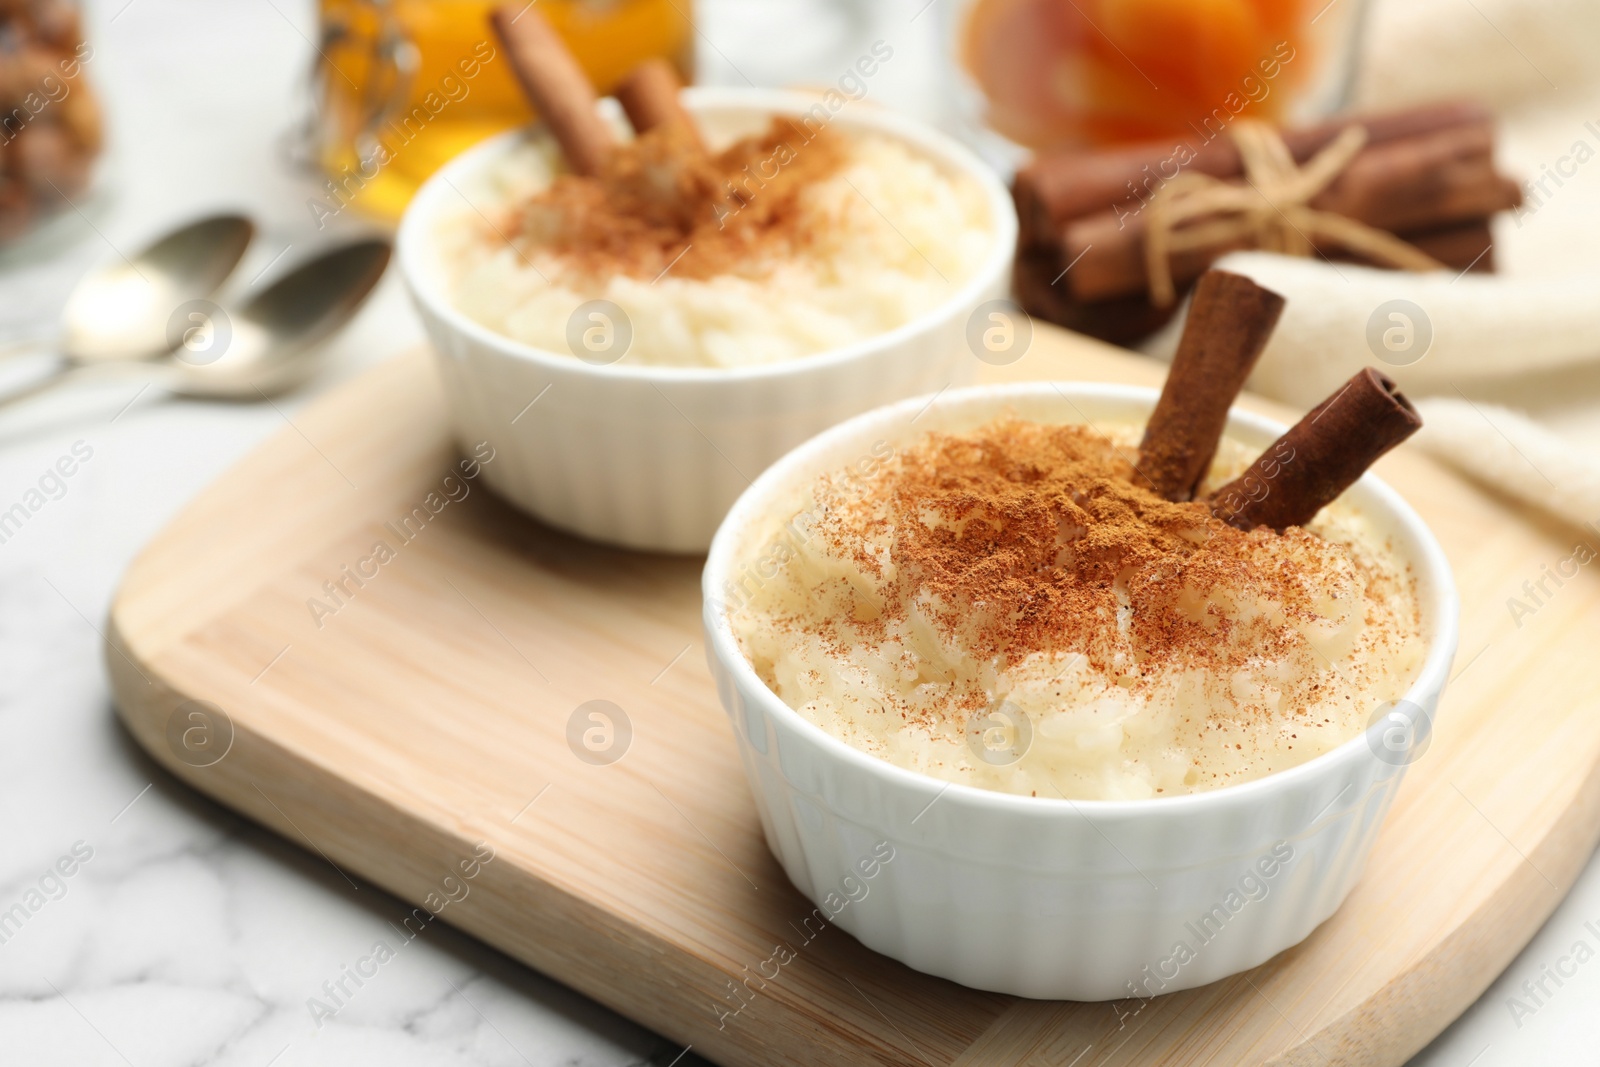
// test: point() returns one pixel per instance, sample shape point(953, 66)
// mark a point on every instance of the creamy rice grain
point(1008, 609)
point(890, 235)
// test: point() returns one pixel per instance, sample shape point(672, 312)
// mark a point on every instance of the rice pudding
point(1010, 608)
point(773, 245)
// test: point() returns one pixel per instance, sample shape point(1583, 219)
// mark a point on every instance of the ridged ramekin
point(651, 457)
point(1045, 897)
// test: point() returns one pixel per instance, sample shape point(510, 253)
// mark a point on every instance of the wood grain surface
point(420, 724)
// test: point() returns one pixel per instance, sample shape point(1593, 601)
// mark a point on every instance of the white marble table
point(185, 935)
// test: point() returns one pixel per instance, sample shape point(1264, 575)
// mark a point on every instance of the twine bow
point(1270, 211)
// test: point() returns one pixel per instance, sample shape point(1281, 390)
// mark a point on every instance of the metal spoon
point(273, 336)
point(121, 310)
point(267, 346)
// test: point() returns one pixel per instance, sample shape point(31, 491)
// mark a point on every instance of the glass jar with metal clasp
point(399, 87)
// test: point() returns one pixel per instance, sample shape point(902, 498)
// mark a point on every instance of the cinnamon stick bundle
point(1426, 175)
point(1039, 280)
point(1320, 457)
point(1065, 184)
point(1036, 279)
point(1421, 183)
point(1230, 320)
point(1462, 246)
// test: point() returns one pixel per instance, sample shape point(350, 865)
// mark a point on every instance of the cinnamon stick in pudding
point(1230, 320)
point(650, 98)
point(555, 85)
point(1320, 457)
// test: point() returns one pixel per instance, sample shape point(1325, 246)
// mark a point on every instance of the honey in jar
point(404, 86)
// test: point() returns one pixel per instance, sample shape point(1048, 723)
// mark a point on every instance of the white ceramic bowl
point(651, 457)
point(1044, 897)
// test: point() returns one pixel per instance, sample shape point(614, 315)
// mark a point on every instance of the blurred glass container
point(50, 125)
point(1097, 72)
point(403, 86)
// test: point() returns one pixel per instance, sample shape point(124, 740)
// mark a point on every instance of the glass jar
point(402, 86)
point(50, 126)
point(1097, 72)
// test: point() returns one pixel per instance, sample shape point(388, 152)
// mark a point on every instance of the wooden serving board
point(431, 712)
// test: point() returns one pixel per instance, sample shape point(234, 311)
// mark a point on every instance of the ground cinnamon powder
point(1019, 538)
point(661, 201)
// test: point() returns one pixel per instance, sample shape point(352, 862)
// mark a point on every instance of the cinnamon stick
point(650, 98)
point(1461, 246)
point(555, 85)
point(1320, 457)
point(1422, 182)
point(1058, 186)
point(1039, 281)
point(1230, 320)
point(1036, 278)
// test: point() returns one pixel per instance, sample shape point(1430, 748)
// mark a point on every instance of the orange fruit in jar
point(1094, 71)
point(1194, 49)
point(1013, 50)
point(1284, 20)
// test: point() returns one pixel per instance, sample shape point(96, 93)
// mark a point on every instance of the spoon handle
point(21, 347)
point(71, 372)
point(42, 384)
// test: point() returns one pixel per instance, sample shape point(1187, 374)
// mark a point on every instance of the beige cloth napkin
point(1519, 348)
point(1515, 454)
